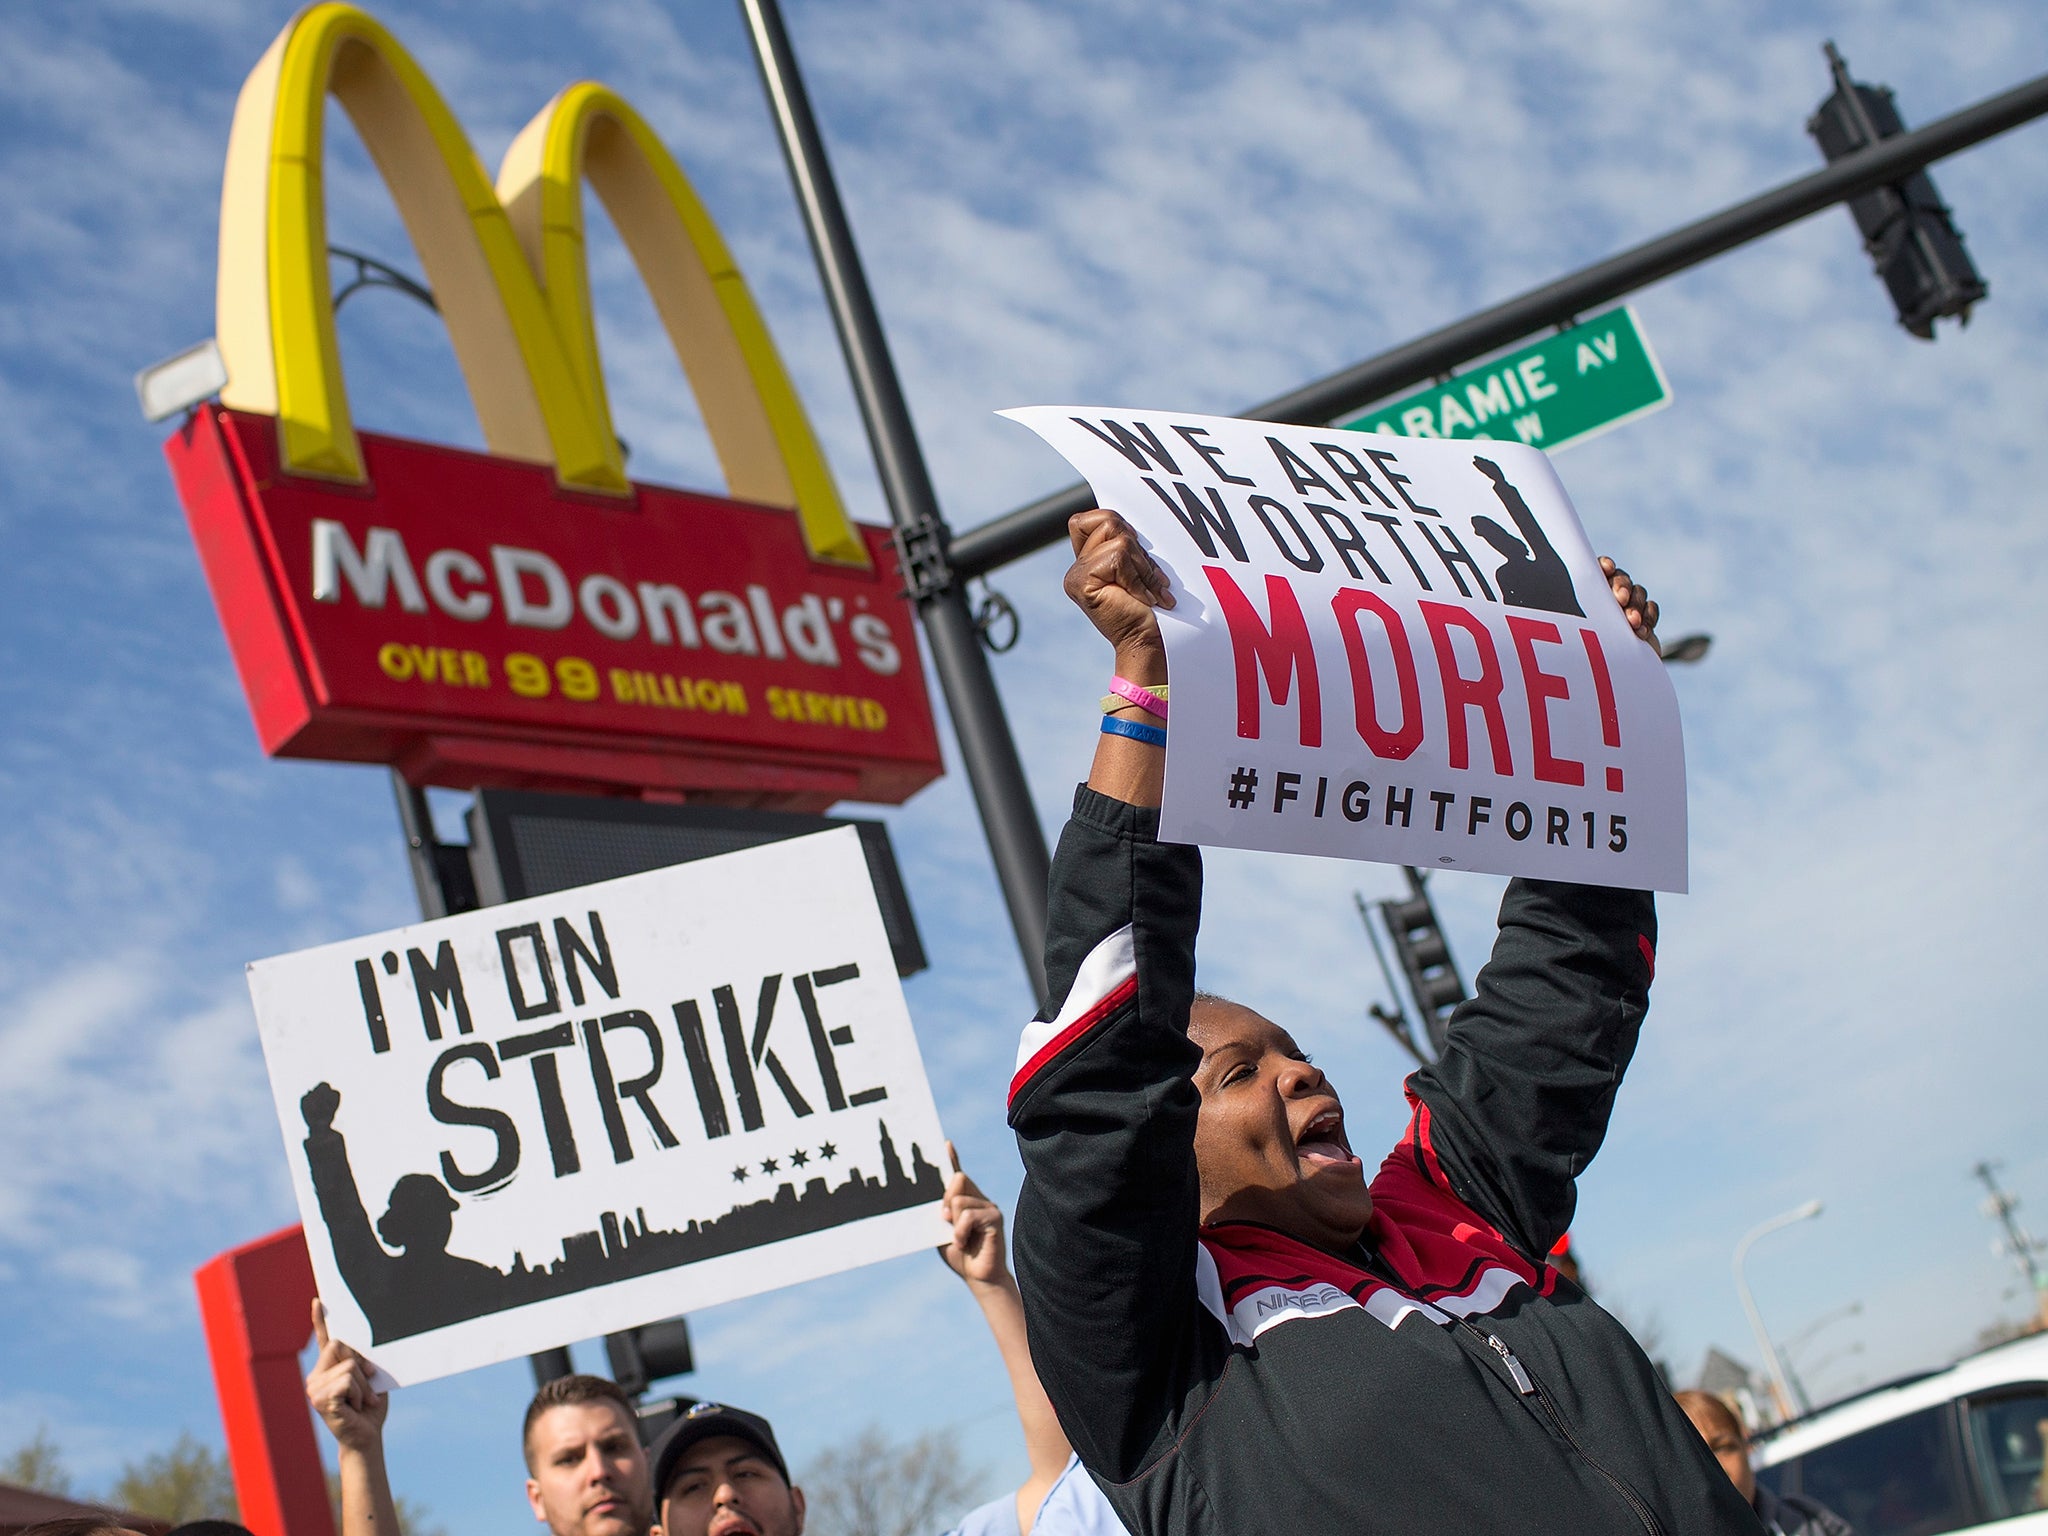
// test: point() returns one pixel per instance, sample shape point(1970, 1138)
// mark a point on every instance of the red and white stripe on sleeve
point(1107, 979)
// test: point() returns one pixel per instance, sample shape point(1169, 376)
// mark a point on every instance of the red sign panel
point(464, 619)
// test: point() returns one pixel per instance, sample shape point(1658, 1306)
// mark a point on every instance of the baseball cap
point(704, 1421)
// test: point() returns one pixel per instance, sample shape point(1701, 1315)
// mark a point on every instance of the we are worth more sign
point(1390, 648)
point(566, 1116)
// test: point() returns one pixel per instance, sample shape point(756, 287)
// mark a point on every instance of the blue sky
point(1103, 202)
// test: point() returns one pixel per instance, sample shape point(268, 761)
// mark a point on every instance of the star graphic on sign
point(828, 1151)
point(798, 1158)
point(739, 1174)
point(769, 1165)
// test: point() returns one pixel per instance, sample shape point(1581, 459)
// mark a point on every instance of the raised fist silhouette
point(318, 1105)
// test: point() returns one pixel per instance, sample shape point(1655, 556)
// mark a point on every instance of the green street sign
point(1563, 390)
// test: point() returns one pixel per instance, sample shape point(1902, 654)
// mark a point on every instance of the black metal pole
point(1016, 534)
point(441, 875)
point(986, 745)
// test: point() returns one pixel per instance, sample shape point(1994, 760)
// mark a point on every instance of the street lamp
point(1687, 648)
point(1779, 1388)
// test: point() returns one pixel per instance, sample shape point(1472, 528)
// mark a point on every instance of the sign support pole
point(989, 751)
point(440, 874)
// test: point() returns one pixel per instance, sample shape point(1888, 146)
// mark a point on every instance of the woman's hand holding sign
point(1637, 606)
point(1117, 585)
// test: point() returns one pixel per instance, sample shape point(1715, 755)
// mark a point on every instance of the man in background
point(719, 1472)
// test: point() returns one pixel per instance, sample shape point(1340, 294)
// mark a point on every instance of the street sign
point(1563, 390)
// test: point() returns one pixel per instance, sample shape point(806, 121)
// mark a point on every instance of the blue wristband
point(1137, 730)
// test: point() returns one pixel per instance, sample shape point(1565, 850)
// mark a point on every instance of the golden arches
point(276, 304)
point(756, 423)
point(509, 275)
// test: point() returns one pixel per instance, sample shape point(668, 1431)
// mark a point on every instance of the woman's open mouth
point(1321, 1143)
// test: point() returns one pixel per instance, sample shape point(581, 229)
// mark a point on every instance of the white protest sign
point(1390, 648)
point(578, 1113)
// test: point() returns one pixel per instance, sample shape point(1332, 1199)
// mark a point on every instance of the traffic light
point(1906, 227)
point(1425, 957)
point(649, 1353)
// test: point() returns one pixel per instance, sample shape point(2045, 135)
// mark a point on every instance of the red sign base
point(256, 1302)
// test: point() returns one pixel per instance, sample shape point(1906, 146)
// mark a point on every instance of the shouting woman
point(1242, 1332)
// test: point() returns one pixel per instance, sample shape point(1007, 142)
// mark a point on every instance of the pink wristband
point(1152, 703)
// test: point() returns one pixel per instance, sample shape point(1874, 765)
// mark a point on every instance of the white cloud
point(145, 1109)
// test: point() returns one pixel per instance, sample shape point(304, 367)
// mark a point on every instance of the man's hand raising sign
point(340, 1389)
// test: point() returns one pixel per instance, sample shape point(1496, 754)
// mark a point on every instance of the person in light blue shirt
point(1059, 1498)
point(1074, 1507)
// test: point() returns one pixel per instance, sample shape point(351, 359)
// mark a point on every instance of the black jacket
point(1441, 1378)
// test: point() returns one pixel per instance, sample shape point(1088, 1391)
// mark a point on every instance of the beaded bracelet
point(1151, 735)
point(1123, 691)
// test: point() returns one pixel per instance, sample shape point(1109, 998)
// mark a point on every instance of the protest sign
point(1390, 648)
point(585, 1111)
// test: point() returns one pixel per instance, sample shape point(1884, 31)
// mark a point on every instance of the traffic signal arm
point(1393, 1020)
point(1425, 959)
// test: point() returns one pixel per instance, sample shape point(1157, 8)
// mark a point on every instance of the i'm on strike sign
point(566, 1116)
point(1390, 648)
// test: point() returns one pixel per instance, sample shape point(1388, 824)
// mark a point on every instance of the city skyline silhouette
point(422, 1286)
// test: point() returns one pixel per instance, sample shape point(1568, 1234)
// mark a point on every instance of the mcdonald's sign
point(528, 616)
